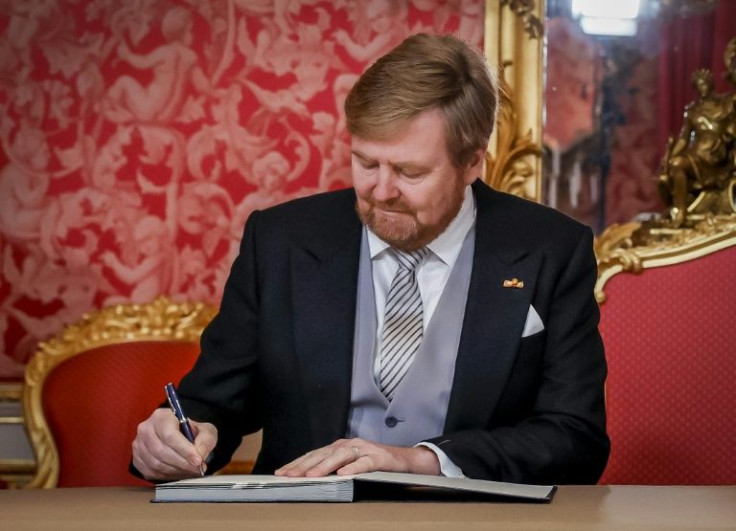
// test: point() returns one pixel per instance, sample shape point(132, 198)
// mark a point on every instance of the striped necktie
point(403, 325)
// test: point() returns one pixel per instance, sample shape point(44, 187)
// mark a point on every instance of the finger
point(301, 465)
point(153, 469)
point(338, 458)
point(169, 435)
point(367, 460)
point(159, 456)
point(298, 466)
point(157, 471)
point(163, 450)
point(364, 464)
point(323, 461)
point(205, 438)
point(161, 442)
point(156, 461)
point(393, 459)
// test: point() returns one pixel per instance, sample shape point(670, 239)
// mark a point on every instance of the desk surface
point(589, 508)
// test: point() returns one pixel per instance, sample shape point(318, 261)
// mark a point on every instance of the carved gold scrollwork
point(511, 168)
point(513, 47)
point(526, 9)
point(632, 247)
point(613, 251)
point(161, 320)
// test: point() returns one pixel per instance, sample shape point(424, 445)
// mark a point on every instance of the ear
point(474, 168)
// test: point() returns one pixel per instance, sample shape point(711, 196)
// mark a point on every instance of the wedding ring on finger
point(356, 452)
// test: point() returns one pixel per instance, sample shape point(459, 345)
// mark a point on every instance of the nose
point(385, 188)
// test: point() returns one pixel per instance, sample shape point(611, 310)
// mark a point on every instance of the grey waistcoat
point(419, 407)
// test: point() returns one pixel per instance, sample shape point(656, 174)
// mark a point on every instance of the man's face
point(408, 190)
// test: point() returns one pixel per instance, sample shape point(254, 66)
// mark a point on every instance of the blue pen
point(184, 426)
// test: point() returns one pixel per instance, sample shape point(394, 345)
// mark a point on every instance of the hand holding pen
point(184, 425)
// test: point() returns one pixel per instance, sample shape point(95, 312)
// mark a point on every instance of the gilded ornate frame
point(633, 247)
point(161, 320)
point(514, 47)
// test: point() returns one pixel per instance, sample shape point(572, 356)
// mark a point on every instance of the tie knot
point(410, 260)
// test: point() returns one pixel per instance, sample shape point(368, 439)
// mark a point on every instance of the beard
point(397, 224)
point(399, 228)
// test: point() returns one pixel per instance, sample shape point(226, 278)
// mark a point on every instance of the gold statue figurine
point(698, 174)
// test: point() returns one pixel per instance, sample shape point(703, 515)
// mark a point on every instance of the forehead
point(420, 137)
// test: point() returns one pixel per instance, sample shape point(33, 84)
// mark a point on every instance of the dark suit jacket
point(280, 352)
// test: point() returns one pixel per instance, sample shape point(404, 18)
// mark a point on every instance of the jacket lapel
point(324, 276)
point(494, 315)
point(324, 279)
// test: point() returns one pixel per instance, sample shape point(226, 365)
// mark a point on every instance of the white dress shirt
point(432, 275)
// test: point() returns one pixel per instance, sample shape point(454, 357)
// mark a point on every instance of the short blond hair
point(427, 72)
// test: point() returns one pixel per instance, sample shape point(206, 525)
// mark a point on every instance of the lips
point(390, 210)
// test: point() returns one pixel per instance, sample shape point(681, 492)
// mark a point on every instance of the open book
point(253, 488)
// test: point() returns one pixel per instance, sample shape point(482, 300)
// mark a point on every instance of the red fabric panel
point(94, 402)
point(672, 364)
point(138, 136)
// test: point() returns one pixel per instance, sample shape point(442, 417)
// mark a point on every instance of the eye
point(411, 174)
point(366, 164)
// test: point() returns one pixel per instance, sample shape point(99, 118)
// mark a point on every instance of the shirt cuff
point(447, 467)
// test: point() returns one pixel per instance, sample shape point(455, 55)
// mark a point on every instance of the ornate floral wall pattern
point(138, 136)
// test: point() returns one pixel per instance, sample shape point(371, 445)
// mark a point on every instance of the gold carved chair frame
point(161, 320)
point(633, 247)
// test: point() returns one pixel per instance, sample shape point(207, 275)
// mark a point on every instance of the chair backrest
point(89, 387)
point(666, 317)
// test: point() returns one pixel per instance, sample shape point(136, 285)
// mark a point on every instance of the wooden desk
point(573, 508)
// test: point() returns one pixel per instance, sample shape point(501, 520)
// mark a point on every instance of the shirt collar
point(447, 245)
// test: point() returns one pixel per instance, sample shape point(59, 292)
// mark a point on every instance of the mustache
point(395, 205)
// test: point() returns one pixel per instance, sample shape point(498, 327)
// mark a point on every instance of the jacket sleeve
point(563, 438)
point(222, 388)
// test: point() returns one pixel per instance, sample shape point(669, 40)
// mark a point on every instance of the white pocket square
point(533, 323)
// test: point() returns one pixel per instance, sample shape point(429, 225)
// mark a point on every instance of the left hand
point(355, 456)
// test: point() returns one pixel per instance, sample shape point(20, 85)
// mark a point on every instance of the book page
point(517, 490)
point(245, 481)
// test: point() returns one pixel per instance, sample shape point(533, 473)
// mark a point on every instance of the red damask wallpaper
point(138, 135)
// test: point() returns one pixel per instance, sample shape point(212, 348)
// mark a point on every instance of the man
point(444, 329)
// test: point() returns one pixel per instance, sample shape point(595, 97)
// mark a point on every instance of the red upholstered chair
point(668, 314)
point(88, 388)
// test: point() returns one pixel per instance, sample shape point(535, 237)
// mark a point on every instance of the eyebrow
point(400, 166)
point(361, 156)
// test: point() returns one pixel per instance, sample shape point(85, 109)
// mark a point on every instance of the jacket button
point(391, 422)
